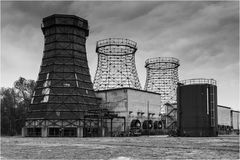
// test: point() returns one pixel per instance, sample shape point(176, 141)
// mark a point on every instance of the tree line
point(15, 103)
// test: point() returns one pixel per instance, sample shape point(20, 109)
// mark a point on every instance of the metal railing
point(198, 81)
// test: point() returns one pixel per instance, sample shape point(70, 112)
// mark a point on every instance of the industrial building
point(235, 115)
point(228, 120)
point(66, 103)
point(224, 119)
point(117, 84)
point(137, 106)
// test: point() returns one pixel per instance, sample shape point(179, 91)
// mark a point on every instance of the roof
point(128, 88)
point(64, 16)
point(224, 106)
point(235, 111)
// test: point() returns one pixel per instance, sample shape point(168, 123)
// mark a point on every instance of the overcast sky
point(204, 36)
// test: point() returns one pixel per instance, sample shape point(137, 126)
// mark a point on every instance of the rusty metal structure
point(162, 77)
point(116, 64)
point(64, 102)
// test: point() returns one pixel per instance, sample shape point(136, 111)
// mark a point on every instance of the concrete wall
point(114, 100)
point(137, 102)
point(224, 116)
point(127, 103)
point(235, 120)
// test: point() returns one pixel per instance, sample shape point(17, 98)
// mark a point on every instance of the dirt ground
point(121, 148)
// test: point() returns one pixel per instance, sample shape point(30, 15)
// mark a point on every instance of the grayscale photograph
point(119, 80)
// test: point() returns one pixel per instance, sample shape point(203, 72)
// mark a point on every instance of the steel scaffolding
point(116, 64)
point(162, 77)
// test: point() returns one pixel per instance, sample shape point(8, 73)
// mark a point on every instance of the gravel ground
point(121, 148)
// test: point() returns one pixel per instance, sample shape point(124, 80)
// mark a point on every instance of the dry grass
point(121, 148)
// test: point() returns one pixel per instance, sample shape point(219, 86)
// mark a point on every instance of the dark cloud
point(22, 13)
point(125, 11)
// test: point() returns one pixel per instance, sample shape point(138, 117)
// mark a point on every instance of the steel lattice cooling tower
point(64, 89)
point(116, 64)
point(162, 77)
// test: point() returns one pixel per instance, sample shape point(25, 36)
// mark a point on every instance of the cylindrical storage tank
point(197, 108)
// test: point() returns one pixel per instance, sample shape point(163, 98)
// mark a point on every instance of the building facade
point(224, 119)
point(142, 109)
point(235, 115)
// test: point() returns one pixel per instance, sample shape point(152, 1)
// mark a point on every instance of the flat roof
point(235, 111)
point(228, 108)
point(113, 89)
point(224, 106)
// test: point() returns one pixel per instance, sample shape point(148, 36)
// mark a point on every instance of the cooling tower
point(64, 91)
point(116, 64)
point(162, 77)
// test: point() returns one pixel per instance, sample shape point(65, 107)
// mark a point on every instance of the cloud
point(22, 13)
point(203, 35)
point(131, 10)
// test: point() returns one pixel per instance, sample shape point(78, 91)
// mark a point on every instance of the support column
point(44, 132)
point(103, 132)
point(124, 124)
point(79, 132)
point(24, 131)
point(111, 127)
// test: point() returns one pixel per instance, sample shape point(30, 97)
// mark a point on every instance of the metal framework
point(116, 64)
point(64, 95)
point(162, 77)
point(171, 115)
point(64, 85)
